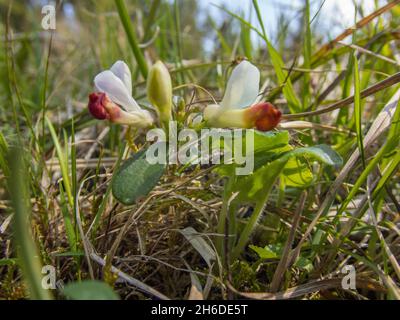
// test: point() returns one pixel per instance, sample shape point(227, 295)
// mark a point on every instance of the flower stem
point(126, 22)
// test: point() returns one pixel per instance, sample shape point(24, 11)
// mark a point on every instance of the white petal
point(121, 70)
point(212, 111)
point(141, 119)
point(109, 83)
point(243, 86)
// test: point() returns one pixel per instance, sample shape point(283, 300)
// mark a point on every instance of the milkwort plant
point(317, 119)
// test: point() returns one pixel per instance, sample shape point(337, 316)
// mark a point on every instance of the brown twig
point(363, 22)
point(349, 100)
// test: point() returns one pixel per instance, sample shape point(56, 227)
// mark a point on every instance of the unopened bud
point(96, 106)
point(159, 90)
point(263, 116)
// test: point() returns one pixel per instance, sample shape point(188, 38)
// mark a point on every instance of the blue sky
point(333, 18)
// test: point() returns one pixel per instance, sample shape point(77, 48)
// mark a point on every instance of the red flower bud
point(263, 116)
point(97, 107)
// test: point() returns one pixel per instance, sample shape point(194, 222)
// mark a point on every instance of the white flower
point(114, 100)
point(238, 108)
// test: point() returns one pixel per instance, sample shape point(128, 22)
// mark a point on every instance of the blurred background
point(49, 74)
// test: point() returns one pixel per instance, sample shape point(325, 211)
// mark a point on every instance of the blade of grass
point(343, 114)
point(224, 44)
point(44, 90)
point(246, 41)
point(95, 224)
point(69, 228)
point(379, 86)
point(307, 55)
point(319, 57)
point(130, 33)
point(358, 109)
point(26, 247)
point(3, 152)
point(63, 161)
point(391, 144)
point(389, 171)
point(178, 41)
point(151, 18)
point(274, 170)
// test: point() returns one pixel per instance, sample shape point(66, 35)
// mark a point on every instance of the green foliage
point(274, 252)
point(296, 173)
point(254, 186)
point(89, 290)
point(23, 239)
point(59, 206)
point(136, 178)
point(358, 109)
point(268, 252)
point(131, 35)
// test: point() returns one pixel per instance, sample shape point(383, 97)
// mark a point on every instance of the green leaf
point(136, 178)
point(200, 244)
point(304, 264)
point(90, 290)
point(255, 186)
point(8, 262)
point(266, 147)
point(70, 254)
point(296, 173)
point(275, 252)
point(270, 140)
point(323, 153)
point(264, 253)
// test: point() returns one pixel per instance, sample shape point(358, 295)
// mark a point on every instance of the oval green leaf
point(89, 290)
point(136, 178)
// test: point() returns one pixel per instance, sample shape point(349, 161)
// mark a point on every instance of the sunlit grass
point(300, 233)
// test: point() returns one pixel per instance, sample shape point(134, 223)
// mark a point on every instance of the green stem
point(223, 216)
point(151, 19)
point(250, 226)
point(126, 22)
point(275, 169)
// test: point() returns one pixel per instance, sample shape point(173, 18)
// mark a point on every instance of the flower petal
point(139, 119)
point(121, 70)
point(113, 86)
point(242, 88)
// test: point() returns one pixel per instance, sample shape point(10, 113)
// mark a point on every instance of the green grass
point(306, 221)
